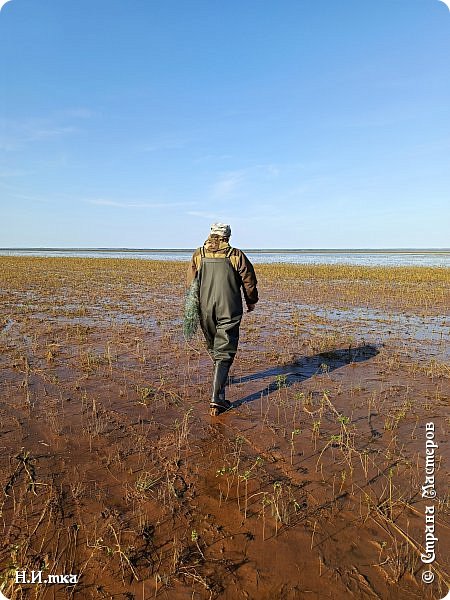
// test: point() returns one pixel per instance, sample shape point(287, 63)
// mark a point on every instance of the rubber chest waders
point(220, 317)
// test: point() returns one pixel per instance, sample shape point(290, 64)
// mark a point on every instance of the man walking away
point(222, 271)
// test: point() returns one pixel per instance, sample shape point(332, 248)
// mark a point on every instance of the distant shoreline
point(249, 250)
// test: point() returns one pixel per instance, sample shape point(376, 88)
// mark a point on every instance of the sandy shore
point(310, 487)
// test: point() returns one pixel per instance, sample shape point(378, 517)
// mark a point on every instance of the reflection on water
point(378, 326)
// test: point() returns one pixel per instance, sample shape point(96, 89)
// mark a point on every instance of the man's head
point(220, 230)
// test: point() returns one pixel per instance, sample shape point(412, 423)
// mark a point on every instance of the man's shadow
point(304, 368)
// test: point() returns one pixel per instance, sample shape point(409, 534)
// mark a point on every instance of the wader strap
point(202, 252)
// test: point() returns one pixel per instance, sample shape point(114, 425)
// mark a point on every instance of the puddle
point(100, 320)
point(377, 324)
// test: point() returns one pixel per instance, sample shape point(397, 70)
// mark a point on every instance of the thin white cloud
point(232, 183)
point(204, 158)
point(27, 197)
point(9, 144)
point(49, 132)
point(77, 113)
point(228, 184)
point(203, 215)
point(273, 170)
point(6, 173)
point(232, 217)
point(121, 204)
point(17, 134)
point(165, 142)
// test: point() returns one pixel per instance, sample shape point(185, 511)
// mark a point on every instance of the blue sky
point(303, 124)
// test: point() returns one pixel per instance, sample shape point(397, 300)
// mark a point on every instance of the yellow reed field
point(422, 288)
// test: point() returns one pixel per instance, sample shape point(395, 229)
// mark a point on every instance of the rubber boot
point(218, 401)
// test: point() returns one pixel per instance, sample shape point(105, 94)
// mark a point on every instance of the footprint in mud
point(374, 432)
point(179, 487)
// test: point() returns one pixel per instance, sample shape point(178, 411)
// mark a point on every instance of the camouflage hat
point(220, 229)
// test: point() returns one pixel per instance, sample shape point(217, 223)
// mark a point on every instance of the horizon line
point(254, 250)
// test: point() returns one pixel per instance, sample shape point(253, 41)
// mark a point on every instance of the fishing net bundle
point(192, 310)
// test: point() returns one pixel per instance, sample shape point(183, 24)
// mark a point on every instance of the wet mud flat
point(111, 468)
